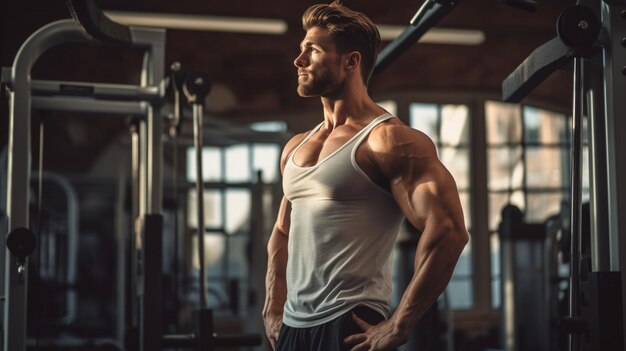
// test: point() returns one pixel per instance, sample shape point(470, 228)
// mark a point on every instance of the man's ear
point(353, 60)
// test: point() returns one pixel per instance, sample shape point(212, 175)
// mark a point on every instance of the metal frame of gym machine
point(90, 25)
point(599, 80)
point(143, 100)
point(597, 290)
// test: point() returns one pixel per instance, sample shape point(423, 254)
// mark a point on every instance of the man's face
point(319, 64)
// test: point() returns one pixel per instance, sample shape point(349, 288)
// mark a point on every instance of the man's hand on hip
point(272, 328)
point(380, 337)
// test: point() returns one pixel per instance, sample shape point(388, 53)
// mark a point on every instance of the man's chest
point(323, 146)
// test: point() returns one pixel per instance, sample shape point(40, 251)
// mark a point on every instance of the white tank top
point(342, 233)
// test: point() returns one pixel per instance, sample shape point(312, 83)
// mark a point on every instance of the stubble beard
point(318, 85)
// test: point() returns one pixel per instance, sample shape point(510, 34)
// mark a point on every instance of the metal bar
point(152, 301)
point(118, 92)
point(88, 105)
point(121, 241)
point(614, 27)
point(600, 251)
point(151, 175)
point(19, 169)
point(413, 33)
point(258, 259)
point(153, 72)
point(226, 137)
point(197, 132)
point(135, 235)
point(507, 262)
point(96, 24)
point(542, 62)
point(576, 210)
point(426, 5)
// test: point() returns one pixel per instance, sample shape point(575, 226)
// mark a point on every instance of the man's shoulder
point(291, 145)
point(395, 136)
point(294, 141)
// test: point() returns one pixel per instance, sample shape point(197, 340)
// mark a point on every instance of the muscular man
point(348, 185)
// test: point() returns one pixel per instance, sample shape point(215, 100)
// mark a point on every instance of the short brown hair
point(350, 30)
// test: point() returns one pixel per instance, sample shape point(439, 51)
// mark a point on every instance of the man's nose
point(300, 60)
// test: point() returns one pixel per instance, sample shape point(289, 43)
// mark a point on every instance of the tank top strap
point(313, 131)
point(366, 131)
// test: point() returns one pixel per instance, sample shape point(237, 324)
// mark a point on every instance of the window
point(448, 126)
point(228, 172)
point(390, 105)
point(528, 166)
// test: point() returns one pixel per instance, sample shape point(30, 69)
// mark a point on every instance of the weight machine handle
point(96, 25)
point(542, 62)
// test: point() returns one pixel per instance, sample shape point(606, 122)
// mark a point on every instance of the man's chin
point(303, 92)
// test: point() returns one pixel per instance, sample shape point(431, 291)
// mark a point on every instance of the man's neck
point(351, 106)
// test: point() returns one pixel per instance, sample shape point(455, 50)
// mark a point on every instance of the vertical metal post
point(17, 212)
point(600, 254)
point(135, 237)
point(507, 259)
point(18, 170)
point(593, 83)
point(151, 188)
point(258, 261)
point(197, 140)
point(576, 172)
point(613, 18)
point(122, 241)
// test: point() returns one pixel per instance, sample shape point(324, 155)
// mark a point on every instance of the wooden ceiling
point(254, 74)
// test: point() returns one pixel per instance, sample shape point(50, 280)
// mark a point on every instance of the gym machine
point(531, 259)
point(144, 102)
point(26, 95)
point(591, 27)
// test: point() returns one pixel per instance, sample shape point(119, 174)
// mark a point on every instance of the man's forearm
point(433, 270)
point(275, 296)
point(275, 280)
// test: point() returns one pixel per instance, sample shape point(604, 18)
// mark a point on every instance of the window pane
point(212, 209)
point(503, 122)
point(237, 210)
point(457, 162)
point(495, 270)
point(269, 126)
point(544, 167)
point(465, 204)
point(459, 290)
point(211, 164)
point(265, 158)
point(541, 206)
point(498, 200)
point(390, 105)
point(454, 125)
point(213, 250)
point(424, 118)
point(460, 293)
point(544, 127)
point(505, 168)
point(237, 164)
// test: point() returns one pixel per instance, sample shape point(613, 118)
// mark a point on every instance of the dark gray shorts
point(328, 336)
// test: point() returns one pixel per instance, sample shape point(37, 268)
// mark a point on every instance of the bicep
point(283, 219)
point(278, 241)
point(429, 197)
